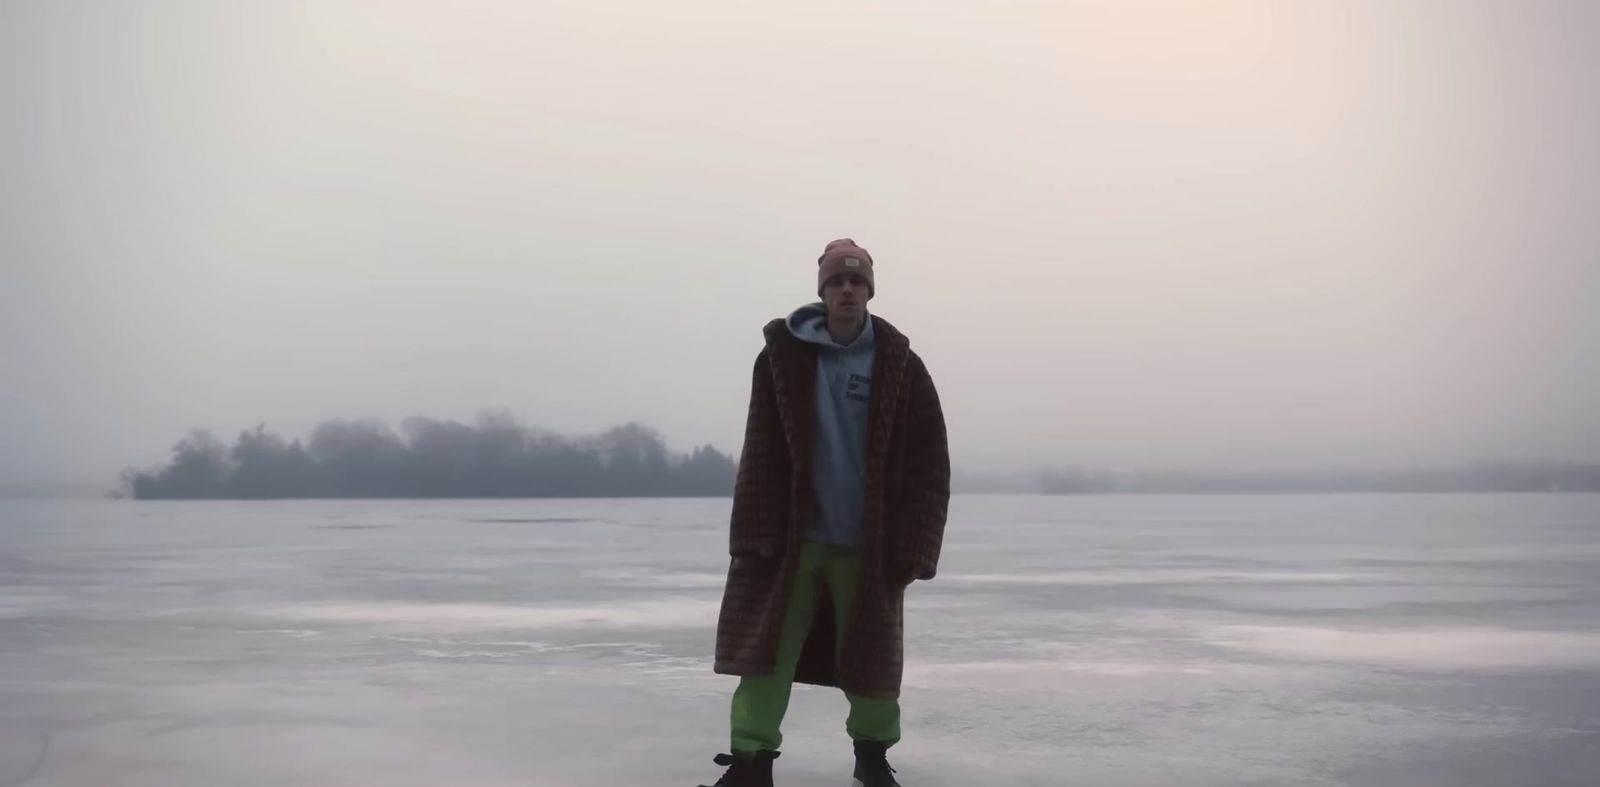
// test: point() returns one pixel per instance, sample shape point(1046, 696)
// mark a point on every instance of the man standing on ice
point(840, 504)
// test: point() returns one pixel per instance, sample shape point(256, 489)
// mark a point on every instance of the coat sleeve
point(926, 496)
point(761, 488)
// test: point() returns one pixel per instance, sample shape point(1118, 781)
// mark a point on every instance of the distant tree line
point(497, 457)
point(1479, 477)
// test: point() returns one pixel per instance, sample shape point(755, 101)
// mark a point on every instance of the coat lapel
point(794, 379)
point(888, 384)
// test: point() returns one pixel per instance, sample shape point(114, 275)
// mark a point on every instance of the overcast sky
point(1221, 235)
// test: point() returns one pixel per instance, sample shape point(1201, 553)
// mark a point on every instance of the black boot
point(872, 765)
point(753, 771)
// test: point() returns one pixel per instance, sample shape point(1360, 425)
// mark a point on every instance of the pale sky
point(1212, 235)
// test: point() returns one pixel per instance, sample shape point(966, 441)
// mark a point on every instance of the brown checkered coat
point(908, 489)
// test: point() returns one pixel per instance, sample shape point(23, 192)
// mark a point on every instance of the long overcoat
point(907, 497)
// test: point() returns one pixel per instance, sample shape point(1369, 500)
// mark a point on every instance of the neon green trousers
point(760, 702)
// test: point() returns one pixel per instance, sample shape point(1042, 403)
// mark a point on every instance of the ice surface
point(1115, 641)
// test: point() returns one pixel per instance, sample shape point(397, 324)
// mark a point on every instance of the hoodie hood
point(809, 323)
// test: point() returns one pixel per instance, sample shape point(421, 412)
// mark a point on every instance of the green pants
point(760, 702)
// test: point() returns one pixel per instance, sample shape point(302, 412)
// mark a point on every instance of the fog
point(1223, 235)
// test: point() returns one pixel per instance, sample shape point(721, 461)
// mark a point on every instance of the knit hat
point(844, 256)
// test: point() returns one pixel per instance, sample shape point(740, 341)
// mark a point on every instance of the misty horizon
point(501, 419)
point(500, 456)
point(1241, 237)
point(1541, 474)
point(1037, 478)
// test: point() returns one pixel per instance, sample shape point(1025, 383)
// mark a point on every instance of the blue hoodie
point(839, 460)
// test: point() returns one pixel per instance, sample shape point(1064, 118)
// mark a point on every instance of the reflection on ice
point(1042, 675)
point(664, 613)
point(1157, 576)
point(1422, 647)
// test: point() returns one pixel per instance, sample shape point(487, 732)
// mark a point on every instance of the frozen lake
point(1415, 641)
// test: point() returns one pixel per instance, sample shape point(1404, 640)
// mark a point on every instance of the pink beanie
point(844, 256)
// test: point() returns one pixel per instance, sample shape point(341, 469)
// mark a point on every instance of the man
point(840, 504)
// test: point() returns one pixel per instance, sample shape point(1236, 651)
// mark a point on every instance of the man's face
point(845, 296)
